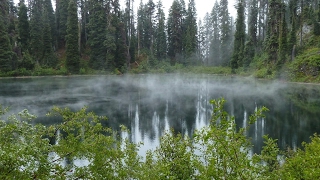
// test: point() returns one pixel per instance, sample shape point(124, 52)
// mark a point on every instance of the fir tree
point(36, 32)
point(5, 46)
point(274, 39)
point(23, 26)
point(251, 45)
point(283, 44)
point(225, 33)
point(49, 14)
point(191, 42)
point(237, 57)
point(215, 45)
point(161, 42)
point(97, 35)
point(175, 34)
point(61, 20)
point(48, 58)
point(72, 46)
point(293, 26)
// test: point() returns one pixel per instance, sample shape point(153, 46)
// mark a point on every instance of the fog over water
point(150, 104)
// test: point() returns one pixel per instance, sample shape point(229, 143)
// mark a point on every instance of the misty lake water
point(151, 104)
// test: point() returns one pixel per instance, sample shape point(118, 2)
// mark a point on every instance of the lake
point(151, 104)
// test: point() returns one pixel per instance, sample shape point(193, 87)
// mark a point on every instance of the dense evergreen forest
point(78, 36)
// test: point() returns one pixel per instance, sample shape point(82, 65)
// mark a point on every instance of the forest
point(268, 38)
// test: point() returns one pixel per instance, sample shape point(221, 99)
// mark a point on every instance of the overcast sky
point(203, 6)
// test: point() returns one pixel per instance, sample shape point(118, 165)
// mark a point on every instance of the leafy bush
point(218, 151)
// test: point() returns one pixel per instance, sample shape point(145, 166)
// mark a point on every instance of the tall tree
point(215, 45)
point(160, 40)
point(49, 14)
point(48, 57)
point(206, 31)
point(84, 11)
point(130, 31)
point(61, 20)
point(283, 44)
point(239, 37)
point(225, 32)
point(5, 46)
point(175, 34)
point(36, 31)
point(293, 6)
point(72, 46)
point(251, 45)
point(190, 39)
point(23, 26)
point(97, 35)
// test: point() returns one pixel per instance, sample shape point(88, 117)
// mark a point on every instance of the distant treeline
point(102, 35)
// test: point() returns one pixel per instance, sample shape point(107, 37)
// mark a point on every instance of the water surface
point(150, 104)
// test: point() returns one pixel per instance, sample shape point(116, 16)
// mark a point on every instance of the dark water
point(149, 105)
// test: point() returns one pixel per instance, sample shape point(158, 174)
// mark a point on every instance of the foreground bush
point(218, 151)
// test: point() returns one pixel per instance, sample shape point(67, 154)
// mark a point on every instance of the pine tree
point(205, 38)
point(238, 51)
point(293, 30)
point(36, 32)
point(191, 42)
point(48, 58)
point(72, 46)
point(225, 33)
point(175, 33)
point(274, 33)
point(23, 26)
point(251, 45)
point(283, 45)
point(61, 20)
point(160, 40)
point(5, 46)
point(316, 26)
point(215, 55)
point(97, 35)
point(49, 14)
point(84, 10)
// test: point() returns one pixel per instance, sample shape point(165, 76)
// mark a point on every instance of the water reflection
point(150, 105)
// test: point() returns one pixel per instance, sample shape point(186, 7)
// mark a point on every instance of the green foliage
point(6, 53)
point(218, 151)
point(72, 46)
point(303, 164)
point(239, 38)
point(306, 65)
point(23, 26)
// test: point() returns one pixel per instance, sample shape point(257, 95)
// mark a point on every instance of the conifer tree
point(72, 46)
point(238, 51)
point(121, 54)
point(293, 26)
point(316, 26)
point(283, 45)
point(48, 58)
point(23, 26)
point(190, 39)
point(225, 32)
point(49, 14)
point(274, 33)
point(175, 34)
point(61, 20)
point(5, 46)
point(161, 42)
point(215, 55)
point(205, 38)
point(97, 35)
point(36, 32)
point(251, 45)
